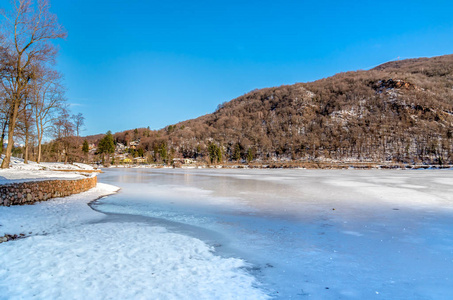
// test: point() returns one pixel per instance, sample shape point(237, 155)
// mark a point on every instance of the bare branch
point(27, 34)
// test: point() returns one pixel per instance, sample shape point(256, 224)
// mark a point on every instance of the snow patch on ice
point(413, 186)
point(354, 233)
point(446, 181)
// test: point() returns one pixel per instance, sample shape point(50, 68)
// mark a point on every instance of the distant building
point(184, 161)
point(140, 160)
point(134, 144)
point(126, 160)
point(120, 156)
point(120, 148)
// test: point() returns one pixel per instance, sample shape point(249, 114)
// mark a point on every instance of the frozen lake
point(316, 234)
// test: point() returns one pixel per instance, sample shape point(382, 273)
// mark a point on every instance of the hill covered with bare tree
point(401, 111)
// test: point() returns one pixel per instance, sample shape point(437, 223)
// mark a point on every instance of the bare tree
point(47, 95)
point(25, 126)
point(79, 121)
point(4, 108)
point(64, 133)
point(28, 30)
point(4, 117)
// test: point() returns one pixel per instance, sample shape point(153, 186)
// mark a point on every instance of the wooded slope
point(400, 111)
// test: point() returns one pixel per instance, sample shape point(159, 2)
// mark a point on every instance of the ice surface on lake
point(327, 234)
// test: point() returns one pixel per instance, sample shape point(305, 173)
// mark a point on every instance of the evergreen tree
point(212, 149)
point(106, 145)
point(219, 154)
point(237, 152)
point(163, 152)
point(85, 147)
point(250, 155)
point(135, 134)
point(215, 153)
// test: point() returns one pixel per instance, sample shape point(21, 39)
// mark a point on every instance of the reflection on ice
point(324, 234)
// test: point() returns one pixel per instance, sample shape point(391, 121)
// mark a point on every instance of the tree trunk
point(39, 135)
point(26, 148)
point(40, 132)
point(26, 123)
point(66, 151)
point(39, 150)
point(3, 136)
point(9, 149)
point(12, 126)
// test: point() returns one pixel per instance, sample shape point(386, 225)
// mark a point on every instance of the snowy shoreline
point(72, 251)
point(20, 172)
point(49, 216)
point(33, 182)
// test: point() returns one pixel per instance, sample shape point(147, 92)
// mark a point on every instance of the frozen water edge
point(325, 234)
point(74, 253)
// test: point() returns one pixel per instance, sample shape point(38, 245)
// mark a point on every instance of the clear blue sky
point(139, 63)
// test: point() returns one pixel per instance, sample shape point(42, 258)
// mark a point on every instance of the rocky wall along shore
point(35, 191)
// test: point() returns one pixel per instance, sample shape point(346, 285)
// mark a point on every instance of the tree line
point(32, 96)
point(400, 112)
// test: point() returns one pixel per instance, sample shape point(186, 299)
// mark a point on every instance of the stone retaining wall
point(35, 191)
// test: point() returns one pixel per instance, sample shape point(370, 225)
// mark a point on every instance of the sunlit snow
point(20, 172)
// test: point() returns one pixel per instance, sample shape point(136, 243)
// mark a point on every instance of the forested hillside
point(400, 111)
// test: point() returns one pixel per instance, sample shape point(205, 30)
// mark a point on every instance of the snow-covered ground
point(18, 164)
point(20, 172)
point(53, 215)
point(73, 252)
point(120, 261)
